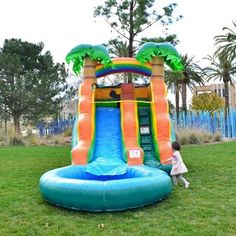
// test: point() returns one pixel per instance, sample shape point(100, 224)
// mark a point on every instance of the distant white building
point(218, 89)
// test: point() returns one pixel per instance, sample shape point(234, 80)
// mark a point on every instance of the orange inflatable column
point(129, 119)
point(86, 113)
point(160, 109)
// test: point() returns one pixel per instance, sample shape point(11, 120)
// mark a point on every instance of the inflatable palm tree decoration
point(150, 50)
point(157, 54)
point(85, 55)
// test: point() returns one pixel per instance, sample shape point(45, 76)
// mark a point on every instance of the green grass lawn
point(208, 207)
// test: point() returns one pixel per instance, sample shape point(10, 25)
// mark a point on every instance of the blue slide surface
point(108, 155)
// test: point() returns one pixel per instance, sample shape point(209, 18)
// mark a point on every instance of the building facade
point(218, 89)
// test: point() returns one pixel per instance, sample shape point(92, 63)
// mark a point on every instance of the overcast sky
point(63, 24)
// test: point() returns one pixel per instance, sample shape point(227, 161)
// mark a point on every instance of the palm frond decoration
point(165, 50)
point(78, 53)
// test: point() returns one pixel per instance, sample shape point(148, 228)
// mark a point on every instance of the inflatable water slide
point(121, 142)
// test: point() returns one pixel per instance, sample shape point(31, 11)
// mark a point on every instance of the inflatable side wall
point(160, 112)
point(130, 125)
point(130, 133)
point(86, 120)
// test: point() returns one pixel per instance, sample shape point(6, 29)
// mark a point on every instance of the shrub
point(182, 139)
point(58, 139)
point(217, 137)
point(33, 140)
point(16, 141)
point(207, 137)
point(68, 132)
point(194, 136)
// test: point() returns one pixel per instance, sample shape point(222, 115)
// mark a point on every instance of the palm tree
point(173, 80)
point(221, 68)
point(227, 43)
point(192, 75)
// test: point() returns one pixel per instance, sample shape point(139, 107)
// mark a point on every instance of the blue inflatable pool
point(73, 187)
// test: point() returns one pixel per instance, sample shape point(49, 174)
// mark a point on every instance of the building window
point(223, 92)
point(219, 92)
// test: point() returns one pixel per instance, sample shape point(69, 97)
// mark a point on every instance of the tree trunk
point(226, 110)
point(5, 119)
point(130, 78)
point(184, 98)
point(16, 119)
point(131, 30)
point(226, 99)
point(131, 35)
point(177, 103)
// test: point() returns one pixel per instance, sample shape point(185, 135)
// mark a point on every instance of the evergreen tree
point(30, 82)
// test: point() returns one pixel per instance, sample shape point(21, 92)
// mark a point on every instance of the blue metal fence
point(206, 122)
point(201, 121)
point(54, 127)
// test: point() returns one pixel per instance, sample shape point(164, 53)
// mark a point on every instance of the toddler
point(178, 166)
